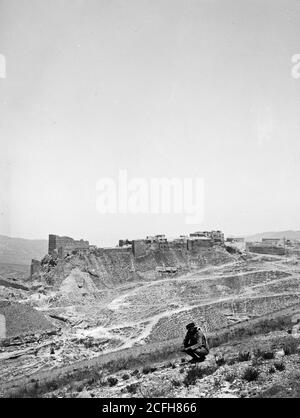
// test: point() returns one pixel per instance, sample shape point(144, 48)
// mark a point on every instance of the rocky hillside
point(21, 319)
point(21, 251)
point(109, 268)
point(258, 366)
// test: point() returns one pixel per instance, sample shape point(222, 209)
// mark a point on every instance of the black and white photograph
point(149, 202)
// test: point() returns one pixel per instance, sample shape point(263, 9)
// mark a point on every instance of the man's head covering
point(190, 325)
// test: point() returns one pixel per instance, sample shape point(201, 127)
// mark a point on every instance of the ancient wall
point(194, 244)
point(178, 244)
point(65, 245)
point(266, 249)
point(271, 241)
point(139, 248)
point(216, 236)
point(35, 268)
point(51, 243)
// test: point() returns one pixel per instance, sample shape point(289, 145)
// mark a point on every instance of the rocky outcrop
point(110, 267)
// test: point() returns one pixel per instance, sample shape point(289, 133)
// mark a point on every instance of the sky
point(161, 88)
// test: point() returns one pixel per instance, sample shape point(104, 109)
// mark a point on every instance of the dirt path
point(129, 342)
point(120, 301)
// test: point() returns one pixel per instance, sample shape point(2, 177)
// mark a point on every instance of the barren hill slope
point(110, 268)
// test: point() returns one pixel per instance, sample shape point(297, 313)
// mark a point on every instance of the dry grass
point(162, 390)
point(195, 373)
point(290, 346)
point(250, 374)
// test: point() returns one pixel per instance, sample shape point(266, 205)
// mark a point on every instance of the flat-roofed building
point(272, 241)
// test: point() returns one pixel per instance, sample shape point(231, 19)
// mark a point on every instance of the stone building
point(235, 239)
point(156, 238)
point(216, 236)
point(139, 248)
point(265, 249)
point(65, 245)
point(272, 241)
point(179, 243)
point(195, 243)
point(124, 243)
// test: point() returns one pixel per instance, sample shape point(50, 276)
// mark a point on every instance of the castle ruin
point(65, 245)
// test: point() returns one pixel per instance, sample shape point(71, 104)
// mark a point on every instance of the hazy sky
point(185, 88)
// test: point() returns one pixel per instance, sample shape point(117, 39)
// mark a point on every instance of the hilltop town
point(60, 248)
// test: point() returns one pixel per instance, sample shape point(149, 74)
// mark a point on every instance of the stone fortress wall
point(194, 242)
point(65, 245)
point(127, 260)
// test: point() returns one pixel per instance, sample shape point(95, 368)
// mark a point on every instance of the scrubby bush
point(220, 360)
point(125, 376)
point(176, 383)
point(264, 354)
point(230, 376)
point(244, 356)
point(112, 381)
point(192, 376)
point(195, 373)
point(290, 346)
point(250, 374)
point(148, 369)
point(272, 370)
point(132, 388)
point(279, 365)
point(268, 355)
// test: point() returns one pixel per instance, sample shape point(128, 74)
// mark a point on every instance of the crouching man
point(195, 343)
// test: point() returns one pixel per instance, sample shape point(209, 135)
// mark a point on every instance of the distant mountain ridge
point(20, 250)
point(289, 234)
